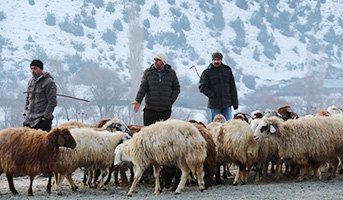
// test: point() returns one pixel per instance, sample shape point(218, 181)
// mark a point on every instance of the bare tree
point(62, 79)
point(11, 99)
point(105, 89)
point(135, 59)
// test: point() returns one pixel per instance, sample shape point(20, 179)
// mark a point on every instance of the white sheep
point(168, 143)
point(95, 149)
point(334, 110)
point(235, 142)
point(269, 151)
point(306, 141)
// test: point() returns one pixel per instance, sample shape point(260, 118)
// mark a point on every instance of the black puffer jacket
point(218, 84)
point(159, 88)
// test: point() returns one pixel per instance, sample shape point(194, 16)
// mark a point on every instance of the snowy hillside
point(266, 41)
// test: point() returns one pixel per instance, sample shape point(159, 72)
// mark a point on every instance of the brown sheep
point(287, 113)
point(26, 151)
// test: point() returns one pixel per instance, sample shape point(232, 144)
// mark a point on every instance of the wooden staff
point(61, 95)
point(195, 68)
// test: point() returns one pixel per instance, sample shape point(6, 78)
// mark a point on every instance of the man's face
point(216, 62)
point(36, 71)
point(158, 64)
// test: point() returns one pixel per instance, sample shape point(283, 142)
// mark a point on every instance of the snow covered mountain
point(264, 41)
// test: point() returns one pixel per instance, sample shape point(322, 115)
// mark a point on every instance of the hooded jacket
point(160, 89)
point(40, 99)
point(218, 84)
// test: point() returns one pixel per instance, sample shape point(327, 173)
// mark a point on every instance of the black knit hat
point(37, 63)
point(217, 55)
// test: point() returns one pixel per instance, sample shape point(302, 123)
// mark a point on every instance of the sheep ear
point(272, 129)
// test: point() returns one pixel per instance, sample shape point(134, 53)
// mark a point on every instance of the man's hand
point(136, 106)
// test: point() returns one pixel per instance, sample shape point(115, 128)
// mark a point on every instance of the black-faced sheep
point(26, 151)
point(95, 149)
point(307, 141)
point(242, 116)
point(165, 143)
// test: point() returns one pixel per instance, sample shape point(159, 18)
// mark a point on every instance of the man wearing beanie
point(218, 84)
point(160, 87)
point(40, 98)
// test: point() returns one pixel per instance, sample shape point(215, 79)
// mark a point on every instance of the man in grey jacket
point(40, 98)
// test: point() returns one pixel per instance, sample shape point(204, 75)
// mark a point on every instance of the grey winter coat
point(40, 99)
point(160, 89)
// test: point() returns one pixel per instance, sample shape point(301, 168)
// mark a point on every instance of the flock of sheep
point(179, 151)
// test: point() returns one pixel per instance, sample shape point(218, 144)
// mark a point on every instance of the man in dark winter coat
point(160, 87)
point(40, 98)
point(218, 84)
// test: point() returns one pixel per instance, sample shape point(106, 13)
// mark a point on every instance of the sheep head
point(64, 138)
point(116, 124)
point(264, 128)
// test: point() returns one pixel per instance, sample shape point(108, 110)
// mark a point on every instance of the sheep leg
point(123, 177)
point(90, 175)
point(258, 172)
point(56, 176)
point(111, 169)
point(243, 173)
point(157, 171)
point(29, 192)
point(235, 181)
point(131, 174)
point(199, 172)
point(96, 174)
point(278, 171)
point(71, 182)
point(84, 180)
point(138, 174)
point(185, 173)
point(217, 180)
point(10, 184)
point(48, 187)
point(103, 173)
point(58, 179)
point(301, 173)
point(334, 164)
point(116, 176)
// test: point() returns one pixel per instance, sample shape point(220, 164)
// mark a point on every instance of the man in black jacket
point(160, 87)
point(218, 84)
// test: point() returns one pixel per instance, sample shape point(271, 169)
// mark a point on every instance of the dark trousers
point(152, 116)
point(45, 125)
